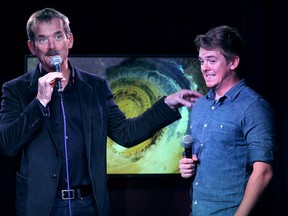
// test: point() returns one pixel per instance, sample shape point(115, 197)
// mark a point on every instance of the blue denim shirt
point(229, 135)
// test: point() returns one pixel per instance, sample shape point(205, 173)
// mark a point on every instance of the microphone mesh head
point(55, 60)
point(187, 141)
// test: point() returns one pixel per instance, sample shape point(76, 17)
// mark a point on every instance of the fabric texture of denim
point(85, 206)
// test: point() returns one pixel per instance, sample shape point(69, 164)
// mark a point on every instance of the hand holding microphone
point(188, 164)
point(48, 81)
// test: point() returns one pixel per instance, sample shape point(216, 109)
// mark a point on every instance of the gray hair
point(46, 14)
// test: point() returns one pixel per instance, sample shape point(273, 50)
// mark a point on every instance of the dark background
point(169, 28)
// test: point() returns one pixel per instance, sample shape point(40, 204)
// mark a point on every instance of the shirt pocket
point(223, 136)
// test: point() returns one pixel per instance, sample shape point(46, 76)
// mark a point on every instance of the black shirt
point(74, 147)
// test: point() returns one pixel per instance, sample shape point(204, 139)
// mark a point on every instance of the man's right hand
point(187, 166)
point(46, 85)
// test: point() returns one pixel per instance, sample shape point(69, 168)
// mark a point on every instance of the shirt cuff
point(45, 110)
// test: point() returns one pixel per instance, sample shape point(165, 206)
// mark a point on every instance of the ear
point(234, 63)
point(31, 47)
point(71, 41)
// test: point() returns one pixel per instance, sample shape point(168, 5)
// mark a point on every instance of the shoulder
point(253, 105)
point(253, 96)
point(20, 80)
point(86, 79)
point(87, 76)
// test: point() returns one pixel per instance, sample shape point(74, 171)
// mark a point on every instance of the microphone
point(56, 64)
point(187, 141)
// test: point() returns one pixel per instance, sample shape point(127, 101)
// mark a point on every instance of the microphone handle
point(188, 152)
point(59, 85)
point(57, 68)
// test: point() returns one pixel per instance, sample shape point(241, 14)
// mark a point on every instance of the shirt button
point(196, 183)
point(205, 125)
point(212, 107)
point(195, 202)
point(54, 176)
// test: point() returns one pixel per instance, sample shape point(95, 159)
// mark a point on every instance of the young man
point(233, 132)
point(63, 154)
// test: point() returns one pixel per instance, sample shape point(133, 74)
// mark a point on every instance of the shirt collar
point(231, 94)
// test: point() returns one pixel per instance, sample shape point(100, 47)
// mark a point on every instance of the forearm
point(129, 132)
point(258, 182)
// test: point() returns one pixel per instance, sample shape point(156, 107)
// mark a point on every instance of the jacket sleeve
point(18, 121)
point(131, 131)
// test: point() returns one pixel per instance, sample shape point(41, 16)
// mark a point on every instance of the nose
point(51, 43)
point(204, 66)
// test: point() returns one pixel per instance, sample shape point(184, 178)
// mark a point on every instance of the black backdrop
point(150, 27)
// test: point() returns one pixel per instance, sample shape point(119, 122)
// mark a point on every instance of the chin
point(209, 85)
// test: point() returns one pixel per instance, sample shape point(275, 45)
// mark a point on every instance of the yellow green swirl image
point(137, 84)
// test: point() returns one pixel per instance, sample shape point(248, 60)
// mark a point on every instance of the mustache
point(52, 52)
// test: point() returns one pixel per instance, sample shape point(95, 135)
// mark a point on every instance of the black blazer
point(25, 129)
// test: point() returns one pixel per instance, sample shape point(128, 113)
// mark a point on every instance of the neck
point(220, 91)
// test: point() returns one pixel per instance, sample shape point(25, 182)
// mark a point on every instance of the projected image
point(137, 83)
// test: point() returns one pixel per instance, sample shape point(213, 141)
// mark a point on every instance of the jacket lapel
point(85, 98)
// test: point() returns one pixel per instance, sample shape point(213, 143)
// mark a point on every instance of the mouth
point(209, 76)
